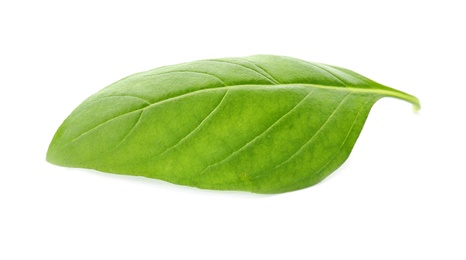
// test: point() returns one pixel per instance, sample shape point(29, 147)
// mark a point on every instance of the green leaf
point(264, 124)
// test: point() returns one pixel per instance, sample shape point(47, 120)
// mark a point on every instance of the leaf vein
point(132, 128)
point(380, 92)
point(268, 73)
point(336, 152)
point(197, 127)
point(328, 72)
point(187, 71)
point(245, 146)
point(111, 96)
point(139, 109)
point(266, 76)
point(260, 69)
point(346, 138)
point(316, 133)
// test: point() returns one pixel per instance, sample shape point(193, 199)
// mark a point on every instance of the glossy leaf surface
point(264, 124)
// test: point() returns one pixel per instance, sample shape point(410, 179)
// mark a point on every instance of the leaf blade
point(265, 124)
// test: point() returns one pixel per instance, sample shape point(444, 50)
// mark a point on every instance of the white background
point(401, 195)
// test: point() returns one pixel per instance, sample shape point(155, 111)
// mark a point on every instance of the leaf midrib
point(380, 92)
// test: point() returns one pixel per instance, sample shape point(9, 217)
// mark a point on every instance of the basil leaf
point(264, 124)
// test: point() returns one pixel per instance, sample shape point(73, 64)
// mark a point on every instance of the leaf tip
point(416, 104)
